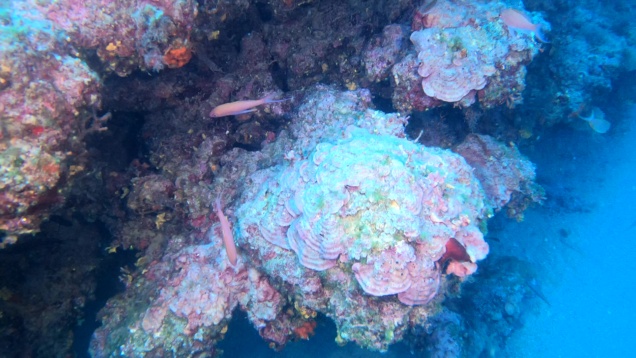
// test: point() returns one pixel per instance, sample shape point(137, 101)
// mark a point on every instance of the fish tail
point(600, 125)
point(538, 32)
point(270, 98)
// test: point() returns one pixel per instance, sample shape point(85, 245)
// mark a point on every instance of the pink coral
point(351, 223)
point(44, 94)
point(459, 57)
point(383, 52)
point(502, 170)
point(425, 278)
point(451, 66)
point(146, 31)
point(312, 251)
point(262, 301)
point(200, 292)
point(379, 205)
point(384, 274)
point(206, 288)
point(448, 72)
point(408, 94)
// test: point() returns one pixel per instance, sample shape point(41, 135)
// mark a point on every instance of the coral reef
point(345, 209)
point(352, 220)
point(43, 99)
point(193, 294)
point(504, 174)
point(488, 312)
point(334, 211)
point(127, 35)
point(464, 51)
point(47, 100)
point(383, 206)
point(592, 48)
point(383, 52)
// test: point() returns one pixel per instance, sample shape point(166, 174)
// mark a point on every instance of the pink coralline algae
point(127, 34)
point(448, 75)
point(349, 219)
point(505, 175)
point(375, 208)
point(48, 93)
point(203, 305)
point(383, 52)
point(193, 293)
point(464, 50)
point(205, 290)
point(44, 93)
point(356, 224)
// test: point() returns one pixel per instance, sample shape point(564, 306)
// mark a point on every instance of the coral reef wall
point(43, 90)
point(463, 50)
point(355, 222)
point(593, 46)
point(363, 195)
point(49, 94)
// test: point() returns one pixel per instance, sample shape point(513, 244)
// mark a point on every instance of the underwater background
point(317, 178)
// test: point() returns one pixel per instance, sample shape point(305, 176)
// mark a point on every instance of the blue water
point(592, 287)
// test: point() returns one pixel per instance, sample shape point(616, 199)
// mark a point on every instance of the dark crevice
point(279, 75)
point(108, 285)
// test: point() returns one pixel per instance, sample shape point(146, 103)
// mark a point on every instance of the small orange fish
point(242, 107)
point(517, 21)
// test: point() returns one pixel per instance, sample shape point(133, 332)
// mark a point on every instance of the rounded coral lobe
point(381, 207)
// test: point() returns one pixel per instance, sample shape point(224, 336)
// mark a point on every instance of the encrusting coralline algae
point(351, 222)
point(333, 211)
point(366, 216)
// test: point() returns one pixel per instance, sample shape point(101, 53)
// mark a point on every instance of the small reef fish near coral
point(517, 21)
point(597, 121)
point(242, 107)
point(226, 233)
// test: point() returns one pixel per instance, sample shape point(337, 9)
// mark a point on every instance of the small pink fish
point(226, 232)
point(517, 21)
point(242, 107)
